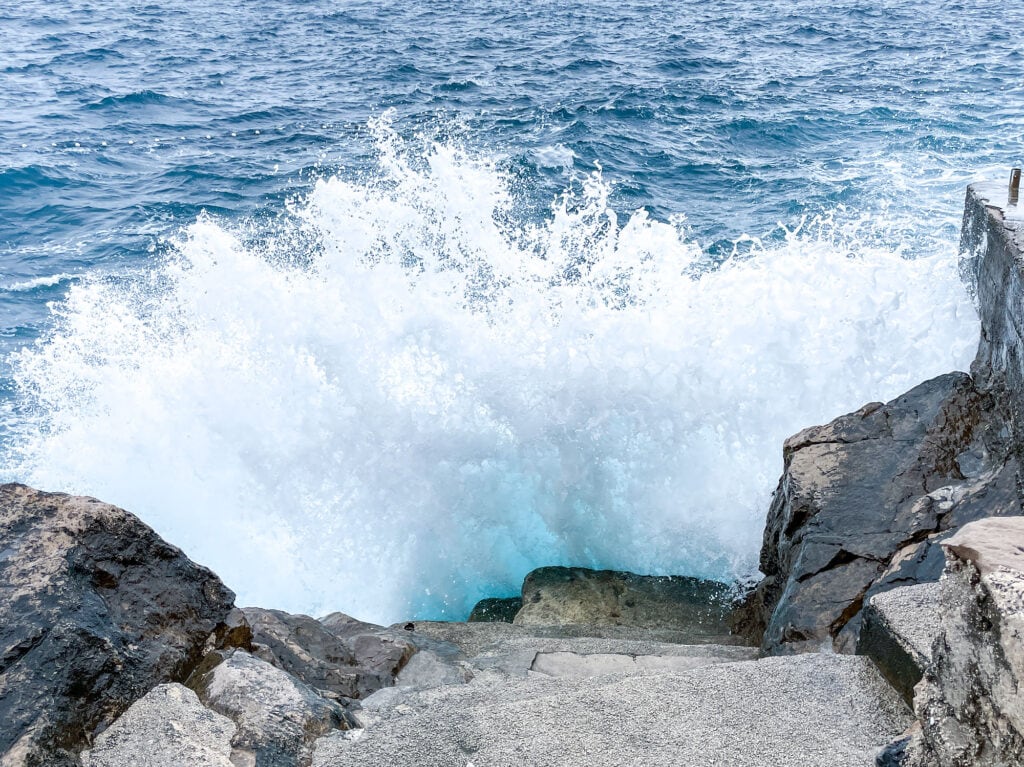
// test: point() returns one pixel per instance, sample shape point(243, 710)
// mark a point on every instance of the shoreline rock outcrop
point(95, 611)
point(895, 531)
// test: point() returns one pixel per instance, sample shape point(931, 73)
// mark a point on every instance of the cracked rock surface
point(864, 502)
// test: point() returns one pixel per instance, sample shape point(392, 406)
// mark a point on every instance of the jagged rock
point(969, 702)
point(861, 501)
point(278, 717)
point(168, 727)
point(339, 656)
point(95, 610)
point(897, 633)
point(501, 610)
point(576, 595)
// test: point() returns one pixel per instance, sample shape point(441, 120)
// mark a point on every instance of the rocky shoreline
point(888, 628)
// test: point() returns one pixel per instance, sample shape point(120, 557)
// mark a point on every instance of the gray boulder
point(864, 502)
point(278, 717)
point(95, 610)
point(338, 656)
point(969, 702)
point(556, 596)
point(168, 727)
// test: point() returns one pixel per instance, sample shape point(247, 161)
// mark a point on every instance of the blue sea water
point(377, 306)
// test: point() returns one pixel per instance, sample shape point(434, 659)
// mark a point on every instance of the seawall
point(992, 249)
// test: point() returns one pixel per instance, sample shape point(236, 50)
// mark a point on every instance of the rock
point(860, 504)
point(168, 727)
point(95, 610)
point(496, 610)
point(578, 596)
point(278, 717)
point(897, 633)
point(810, 710)
point(339, 656)
point(969, 702)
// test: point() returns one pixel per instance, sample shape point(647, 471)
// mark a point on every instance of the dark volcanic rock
point(862, 503)
point(338, 656)
point(95, 610)
point(578, 596)
point(495, 610)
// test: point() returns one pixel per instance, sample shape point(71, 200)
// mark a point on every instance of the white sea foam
point(45, 281)
point(409, 398)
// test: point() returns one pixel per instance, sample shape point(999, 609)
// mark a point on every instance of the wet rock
point(168, 727)
point(861, 504)
point(969, 702)
point(578, 596)
point(95, 610)
point(278, 717)
point(897, 633)
point(499, 610)
point(339, 656)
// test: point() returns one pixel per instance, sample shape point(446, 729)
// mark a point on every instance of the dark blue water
point(122, 122)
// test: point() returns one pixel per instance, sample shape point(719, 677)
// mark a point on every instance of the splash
point(406, 397)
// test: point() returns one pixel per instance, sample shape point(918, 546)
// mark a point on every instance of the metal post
point(1014, 186)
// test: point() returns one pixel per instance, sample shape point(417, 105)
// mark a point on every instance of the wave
point(404, 396)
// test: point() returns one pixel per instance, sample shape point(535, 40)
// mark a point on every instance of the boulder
point(168, 727)
point(338, 656)
point(578, 596)
point(969, 702)
point(500, 610)
point(864, 502)
point(278, 717)
point(95, 610)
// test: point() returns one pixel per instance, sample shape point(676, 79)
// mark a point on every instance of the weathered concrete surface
point(557, 596)
point(566, 664)
point(810, 710)
point(278, 717)
point(897, 633)
point(95, 610)
point(970, 703)
point(168, 727)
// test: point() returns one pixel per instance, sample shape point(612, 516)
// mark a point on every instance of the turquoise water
point(375, 307)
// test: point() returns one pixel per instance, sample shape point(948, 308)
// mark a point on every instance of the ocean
point(375, 307)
